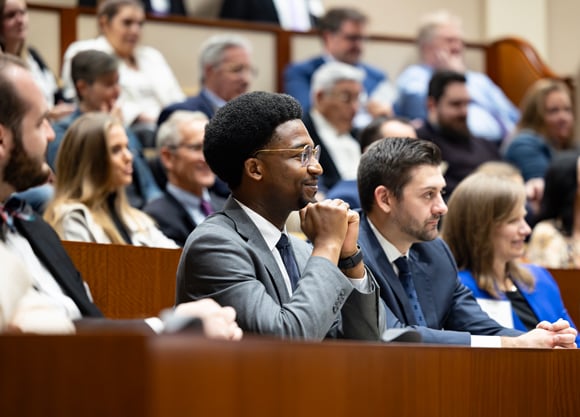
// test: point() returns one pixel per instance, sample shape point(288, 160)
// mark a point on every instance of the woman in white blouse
point(94, 166)
point(147, 81)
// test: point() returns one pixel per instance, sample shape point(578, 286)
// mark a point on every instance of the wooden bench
point(127, 281)
point(569, 282)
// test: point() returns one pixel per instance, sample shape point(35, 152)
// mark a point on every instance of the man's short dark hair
point(13, 106)
point(440, 80)
point(90, 65)
point(389, 163)
point(334, 18)
point(243, 126)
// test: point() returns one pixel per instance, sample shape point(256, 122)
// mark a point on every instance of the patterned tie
point(287, 255)
point(407, 281)
point(206, 207)
point(14, 207)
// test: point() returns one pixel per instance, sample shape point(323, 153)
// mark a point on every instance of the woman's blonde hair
point(84, 175)
point(479, 204)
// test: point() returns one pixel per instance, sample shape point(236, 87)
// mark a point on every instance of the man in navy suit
point(343, 35)
point(401, 185)
point(24, 135)
point(187, 199)
point(226, 72)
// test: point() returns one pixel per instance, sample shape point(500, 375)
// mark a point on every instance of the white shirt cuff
point(486, 341)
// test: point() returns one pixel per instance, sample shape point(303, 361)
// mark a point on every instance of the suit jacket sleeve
point(218, 262)
point(297, 79)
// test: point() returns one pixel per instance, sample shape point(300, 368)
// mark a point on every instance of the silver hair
point(432, 21)
point(168, 133)
point(213, 49)
point(326, 77)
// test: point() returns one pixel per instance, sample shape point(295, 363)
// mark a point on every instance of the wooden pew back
point(569, 282)
point(127, 281)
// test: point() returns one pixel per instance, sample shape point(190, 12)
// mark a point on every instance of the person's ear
point(254, 168)
point(82, 87)
point(4, 142)
point(383, 198)
point(166, 156)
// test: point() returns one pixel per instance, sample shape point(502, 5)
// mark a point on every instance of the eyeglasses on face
point(348, 97)
point(307, 154)
point(192, 147)
point(240, 69)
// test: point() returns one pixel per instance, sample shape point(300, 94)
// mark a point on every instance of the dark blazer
point(47, 247)
point(196, 103)
point(330, 176)
point(226, 258)
point(250, 10)
point(451, 312)
point(298, 76)
point(173, 219)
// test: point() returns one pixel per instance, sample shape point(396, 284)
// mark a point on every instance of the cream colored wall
point(44, 36)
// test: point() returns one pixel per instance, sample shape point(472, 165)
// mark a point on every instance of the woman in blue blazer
point(486, 231)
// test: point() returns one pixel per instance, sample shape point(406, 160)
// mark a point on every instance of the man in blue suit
point(343, 34)
point(226, 72)
point(401, 186)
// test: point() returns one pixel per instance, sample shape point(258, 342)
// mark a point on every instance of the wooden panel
point(127, 281)
point(129, 375)
point(569, 282)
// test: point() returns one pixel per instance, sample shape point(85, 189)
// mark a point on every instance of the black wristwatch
point(351, 261)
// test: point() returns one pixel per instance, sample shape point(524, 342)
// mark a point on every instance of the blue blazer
point(297, 78)
point(196, 103)
point(544, 300)
point(451, 312)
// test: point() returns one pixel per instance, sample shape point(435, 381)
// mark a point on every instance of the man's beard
point(22, 171)
point(455, 132)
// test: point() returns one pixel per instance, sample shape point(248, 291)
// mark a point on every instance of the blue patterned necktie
point(13, 208)
point(407, 281)
point(287, 256)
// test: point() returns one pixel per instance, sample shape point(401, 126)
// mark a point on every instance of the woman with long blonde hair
point(94, 165)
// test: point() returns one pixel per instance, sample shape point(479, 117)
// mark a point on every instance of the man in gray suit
point(259, 146)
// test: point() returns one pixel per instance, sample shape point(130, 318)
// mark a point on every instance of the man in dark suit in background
point(186, 200)
point(24, 135)
point(226, 72)
point(401, 185)
point(343, 32)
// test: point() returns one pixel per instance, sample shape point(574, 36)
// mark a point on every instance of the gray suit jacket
point(451, 312)
point(227, 259)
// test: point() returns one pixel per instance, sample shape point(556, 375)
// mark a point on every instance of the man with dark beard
point(401, 185)
point(243, 257)
point(24, 136)
point(446, 126)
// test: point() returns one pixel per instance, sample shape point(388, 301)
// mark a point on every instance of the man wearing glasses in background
point(278, 284)
point(226, 71)
point(343, 32)
point(337, 92)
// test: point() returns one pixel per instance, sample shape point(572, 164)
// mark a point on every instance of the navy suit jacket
point(49, 250)
point(330, 176)
point(196, 103)
point(173, 219)
point(451, 312)
point(298, 76)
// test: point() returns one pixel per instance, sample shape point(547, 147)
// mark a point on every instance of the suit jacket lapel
point(46, 245)
point(249, 232)
point(392, 291)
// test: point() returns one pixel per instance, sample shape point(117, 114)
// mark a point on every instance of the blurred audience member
point(299, 15)
point(485, 229)
point(440, 39)
point(546, 126)
point(447, 127)
point(226, 72)
point(94, 165)
point(343, 32)
point(147, 82)
point(555, 240)
point(158, 7)
point(13, 35)
point(96, 78)
point(379, 128)
point(187, 200)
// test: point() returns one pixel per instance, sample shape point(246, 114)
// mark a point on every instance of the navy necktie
point(287, 256)
point(206, 207)
point(407, 281)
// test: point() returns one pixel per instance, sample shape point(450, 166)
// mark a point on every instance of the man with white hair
point(440, 39)
point(186, 200)
point(336, 93)
point(226, 72)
